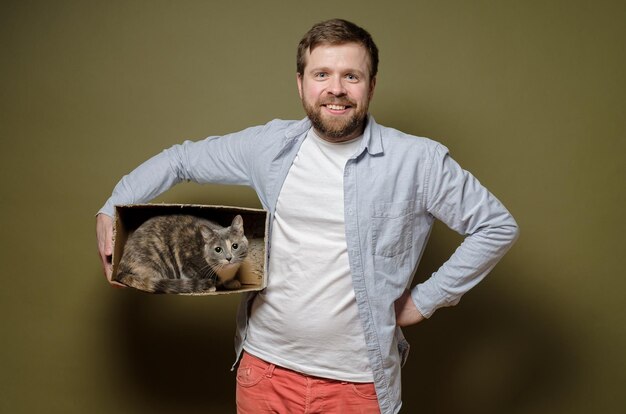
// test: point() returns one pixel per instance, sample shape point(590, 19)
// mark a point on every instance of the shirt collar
point(372, 137)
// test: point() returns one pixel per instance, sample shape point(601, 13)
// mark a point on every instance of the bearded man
point(351, 205)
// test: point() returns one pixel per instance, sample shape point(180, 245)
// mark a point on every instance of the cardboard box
point(252, 273)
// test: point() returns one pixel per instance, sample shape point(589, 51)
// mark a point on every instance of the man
point(351, 206)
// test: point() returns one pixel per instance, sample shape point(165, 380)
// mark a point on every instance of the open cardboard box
point(251, 274)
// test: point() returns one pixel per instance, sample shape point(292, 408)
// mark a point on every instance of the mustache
point(338, 101)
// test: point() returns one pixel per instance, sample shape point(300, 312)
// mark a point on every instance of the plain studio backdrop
point(528, 96)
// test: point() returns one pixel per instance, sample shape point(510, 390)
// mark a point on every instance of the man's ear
point(299, 82)
point(372, 87)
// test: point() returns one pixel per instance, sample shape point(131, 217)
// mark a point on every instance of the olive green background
point(529, 96)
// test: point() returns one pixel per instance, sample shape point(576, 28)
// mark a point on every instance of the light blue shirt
point(394, 189)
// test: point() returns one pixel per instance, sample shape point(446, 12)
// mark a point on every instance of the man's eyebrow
point(327, 69)
point(319, 69)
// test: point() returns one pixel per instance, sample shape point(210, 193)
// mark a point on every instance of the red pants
point(265, 388)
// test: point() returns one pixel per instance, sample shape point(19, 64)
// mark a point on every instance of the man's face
point(336, 89)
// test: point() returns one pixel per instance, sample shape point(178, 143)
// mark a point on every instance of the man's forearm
point(469, 264)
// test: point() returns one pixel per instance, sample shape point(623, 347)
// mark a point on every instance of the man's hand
point(104, 234)
point(406, 311)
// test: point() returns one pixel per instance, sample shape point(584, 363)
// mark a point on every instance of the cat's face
point(227, 247)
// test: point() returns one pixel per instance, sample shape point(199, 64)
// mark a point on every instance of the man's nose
point(336, 86)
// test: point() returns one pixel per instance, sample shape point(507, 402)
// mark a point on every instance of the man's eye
point(321, 75)
point(352, 77)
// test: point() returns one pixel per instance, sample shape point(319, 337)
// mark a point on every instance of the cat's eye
point(218, 249)
point(235, 246)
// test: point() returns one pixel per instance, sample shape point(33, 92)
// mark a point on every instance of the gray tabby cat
point(183, 254)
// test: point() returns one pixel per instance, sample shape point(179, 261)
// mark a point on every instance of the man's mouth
point(336, 107)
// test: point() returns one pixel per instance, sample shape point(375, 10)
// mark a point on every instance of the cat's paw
point(232, 284)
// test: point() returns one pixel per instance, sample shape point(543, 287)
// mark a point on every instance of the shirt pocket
point(392, 228)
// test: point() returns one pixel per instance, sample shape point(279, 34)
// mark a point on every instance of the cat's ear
point(208, 234)
point(237, 225)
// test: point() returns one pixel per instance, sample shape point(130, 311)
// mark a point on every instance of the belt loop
point(270, 370)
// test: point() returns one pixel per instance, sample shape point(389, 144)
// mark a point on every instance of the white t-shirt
point(306, 319)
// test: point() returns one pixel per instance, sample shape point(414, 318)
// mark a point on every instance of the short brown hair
point(337, 32)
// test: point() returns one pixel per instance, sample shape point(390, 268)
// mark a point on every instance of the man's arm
point(223, 160)
point(215, 159)
point(406, 311)
point(104, 235)
point(458, 199)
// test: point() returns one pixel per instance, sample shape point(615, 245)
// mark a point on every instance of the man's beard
point(339, 127)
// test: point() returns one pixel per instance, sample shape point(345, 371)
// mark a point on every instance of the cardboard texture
point(251, 274)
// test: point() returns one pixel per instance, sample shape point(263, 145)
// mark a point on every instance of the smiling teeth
point(336, 107)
